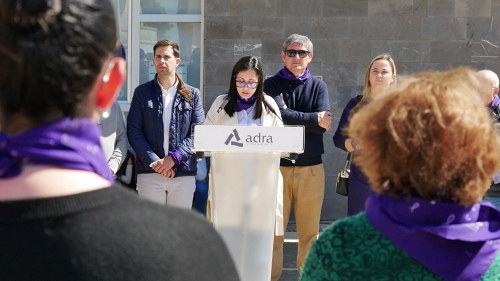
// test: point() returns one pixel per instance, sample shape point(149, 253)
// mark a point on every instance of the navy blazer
point(145, 126)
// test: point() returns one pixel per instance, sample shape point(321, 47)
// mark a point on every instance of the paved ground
point(290, 272)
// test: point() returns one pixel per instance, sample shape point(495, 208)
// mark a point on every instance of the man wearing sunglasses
point(302, 100)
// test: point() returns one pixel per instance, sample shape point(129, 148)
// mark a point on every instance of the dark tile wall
point(419, 34)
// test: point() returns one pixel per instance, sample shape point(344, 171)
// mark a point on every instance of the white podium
point(244, 180)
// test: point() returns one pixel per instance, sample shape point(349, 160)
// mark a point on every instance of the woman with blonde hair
point(379, 77)
point(433, 150)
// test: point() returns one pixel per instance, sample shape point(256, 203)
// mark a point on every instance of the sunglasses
point(293, 53)
point(250, 85)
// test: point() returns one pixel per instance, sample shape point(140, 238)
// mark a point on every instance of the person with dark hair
point(433, 150)
point(380, 75)
point(246, 104)
point(159, 124)
point(303, 100)
point(61, 216)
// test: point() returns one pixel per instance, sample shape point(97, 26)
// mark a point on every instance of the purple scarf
point(67, 143)
point(496, 101)
point(287, 74)
point(453, 241)
point(244, 104)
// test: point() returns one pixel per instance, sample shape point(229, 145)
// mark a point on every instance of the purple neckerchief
point(244, 104)
point(287, 74)
point(177, 157)
point(71, 143)
point(495, 103)
point(453, 241)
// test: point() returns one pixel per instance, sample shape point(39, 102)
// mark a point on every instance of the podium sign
point(244, 181)
point(248, 138)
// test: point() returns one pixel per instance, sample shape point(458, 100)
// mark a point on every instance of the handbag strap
point(349, 155)
point(348, 161)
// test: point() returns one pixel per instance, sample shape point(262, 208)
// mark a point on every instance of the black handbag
point(342, 184)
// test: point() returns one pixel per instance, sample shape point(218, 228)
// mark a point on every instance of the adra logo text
point(250, 140)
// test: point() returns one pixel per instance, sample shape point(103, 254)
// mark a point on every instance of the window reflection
point(121, 14)
point(186, 34)
point(171, 6)
point(143, 67)
point(188, 37)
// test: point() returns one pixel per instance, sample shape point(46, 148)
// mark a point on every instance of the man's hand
point(325, 120)
point(162, 166)
point(169, 174)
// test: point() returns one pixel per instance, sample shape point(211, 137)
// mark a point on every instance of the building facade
point(214, 34)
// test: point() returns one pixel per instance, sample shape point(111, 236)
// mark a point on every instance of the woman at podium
point(245, 104)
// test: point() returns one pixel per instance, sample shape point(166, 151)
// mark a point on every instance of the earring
point(105, 78)
point(103, 114)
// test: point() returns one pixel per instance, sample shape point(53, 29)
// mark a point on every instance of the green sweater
point(352, 249)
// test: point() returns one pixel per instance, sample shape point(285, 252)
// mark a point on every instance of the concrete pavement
point(290, 272)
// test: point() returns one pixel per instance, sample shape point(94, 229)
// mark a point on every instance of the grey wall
point(347, 34)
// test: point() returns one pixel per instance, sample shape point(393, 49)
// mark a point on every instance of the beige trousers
point(306, 187)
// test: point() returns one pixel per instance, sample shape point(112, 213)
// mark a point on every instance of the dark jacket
point(145, 126)
point(303, 102)
point(495, 114)
point(359, 185)
point(494, 190)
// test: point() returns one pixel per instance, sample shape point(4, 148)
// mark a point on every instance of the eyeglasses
point(293, 53)
point(250, 85)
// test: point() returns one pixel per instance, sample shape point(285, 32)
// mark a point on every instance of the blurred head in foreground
point(58, 61)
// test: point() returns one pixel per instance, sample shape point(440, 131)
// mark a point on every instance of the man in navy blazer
point(159, 123)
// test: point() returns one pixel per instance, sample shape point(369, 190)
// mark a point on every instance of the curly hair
point(430, 136)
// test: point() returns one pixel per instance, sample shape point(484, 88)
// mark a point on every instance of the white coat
point(268, 119)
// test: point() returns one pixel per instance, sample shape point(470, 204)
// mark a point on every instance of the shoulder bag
point(341, 186)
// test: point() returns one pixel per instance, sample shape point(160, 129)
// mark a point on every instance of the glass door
point(144, 22)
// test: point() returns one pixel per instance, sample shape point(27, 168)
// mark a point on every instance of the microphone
point(223, 104)
point(268, 106)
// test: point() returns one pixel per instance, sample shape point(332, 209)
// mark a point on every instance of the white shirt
point(167, 96)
